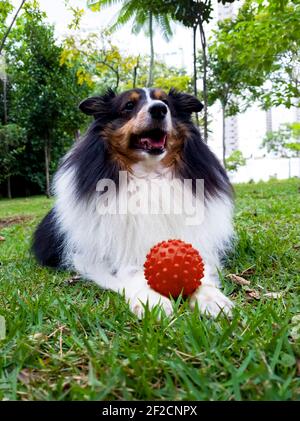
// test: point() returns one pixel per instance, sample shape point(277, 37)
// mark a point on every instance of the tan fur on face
point(135, 96)
point(175, 145)
point(118, 141)
point(159, 94)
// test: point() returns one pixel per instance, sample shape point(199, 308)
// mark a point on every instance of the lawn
point(70, 340)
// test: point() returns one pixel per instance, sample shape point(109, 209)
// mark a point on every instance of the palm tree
point(143, 18)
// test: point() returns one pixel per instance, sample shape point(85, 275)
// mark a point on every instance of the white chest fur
point(122, 240)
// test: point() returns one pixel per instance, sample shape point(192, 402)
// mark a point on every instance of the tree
point(229, 82)
point(99, 62)
point(192, 14)
point(44, 95)
point(144, 18)
point(12, 144)
point(249, 50)
point(235, 161)
point(102, 65)
point(264, 37)
point(284, 142)
point(5, 9)
point(166, 77)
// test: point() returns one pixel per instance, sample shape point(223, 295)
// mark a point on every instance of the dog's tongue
point(150, 143)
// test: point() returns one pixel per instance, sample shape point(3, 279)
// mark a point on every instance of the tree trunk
point(9, 187)
point(151, 67)
point(204, 57)
point(135, 69)
point(223, 135)
point(5, 121)
point(77, 135)
point(5, 115)
point(195, 67)
point(195, 60)
point(117, 79)
point(10, 26)
point(47, 167)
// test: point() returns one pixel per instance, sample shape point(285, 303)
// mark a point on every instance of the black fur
point(198, 162)
point(92, 162)
point(98, 106)
point(183, 105)
point(48, 242)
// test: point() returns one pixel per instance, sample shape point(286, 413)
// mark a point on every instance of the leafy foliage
point(235, 161)
point(47, 79)
point(43, 94)
point(188, 12)
point(143, 18)
point(98, 61)
point(102, 65)
point(6, 8)
point(285, 142)
point(138, 11)
point(230, 80)
point(12, 144)
point(264, 39)
point(165, 77)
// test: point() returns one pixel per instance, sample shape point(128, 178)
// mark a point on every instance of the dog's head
point(143, 123)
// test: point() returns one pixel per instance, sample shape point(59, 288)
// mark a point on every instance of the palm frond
point(127, 12)
point(133, 9)
point(164, 25)
point(107, 3)
point(140, 21)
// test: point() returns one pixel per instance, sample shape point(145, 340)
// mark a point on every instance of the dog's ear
point(97, 105)
point(185, 103)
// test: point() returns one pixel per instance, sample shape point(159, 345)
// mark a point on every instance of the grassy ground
point(69, 340)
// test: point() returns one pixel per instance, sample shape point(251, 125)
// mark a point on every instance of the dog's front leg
point(210, 300)
point(138, 293)
point(130, 281)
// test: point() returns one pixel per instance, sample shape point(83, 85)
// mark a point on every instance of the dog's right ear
point(97, 105)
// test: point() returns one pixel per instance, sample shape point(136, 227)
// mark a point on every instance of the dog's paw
point(211, 301)
point(146, 297)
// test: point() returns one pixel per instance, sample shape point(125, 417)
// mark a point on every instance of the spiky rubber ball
point(174, 267)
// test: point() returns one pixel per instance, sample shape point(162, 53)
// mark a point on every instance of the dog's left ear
point(97, 105)
point(185, 103)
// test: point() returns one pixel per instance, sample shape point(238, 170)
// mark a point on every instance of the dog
point(149, 135)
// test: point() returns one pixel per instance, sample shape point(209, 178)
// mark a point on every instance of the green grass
point(75, 341)
point(35, 206)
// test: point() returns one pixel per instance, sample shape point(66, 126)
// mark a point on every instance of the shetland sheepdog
point(147, 135)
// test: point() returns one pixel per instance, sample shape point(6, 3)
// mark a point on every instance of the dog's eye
point(129, 106)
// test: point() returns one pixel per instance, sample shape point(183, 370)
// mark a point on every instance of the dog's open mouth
point(151, 141)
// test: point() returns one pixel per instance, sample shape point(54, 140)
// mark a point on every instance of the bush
point(235, 161)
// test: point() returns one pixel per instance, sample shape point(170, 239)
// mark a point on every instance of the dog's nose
point(158, 111)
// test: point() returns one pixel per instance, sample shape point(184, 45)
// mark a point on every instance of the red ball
point(174, 267)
